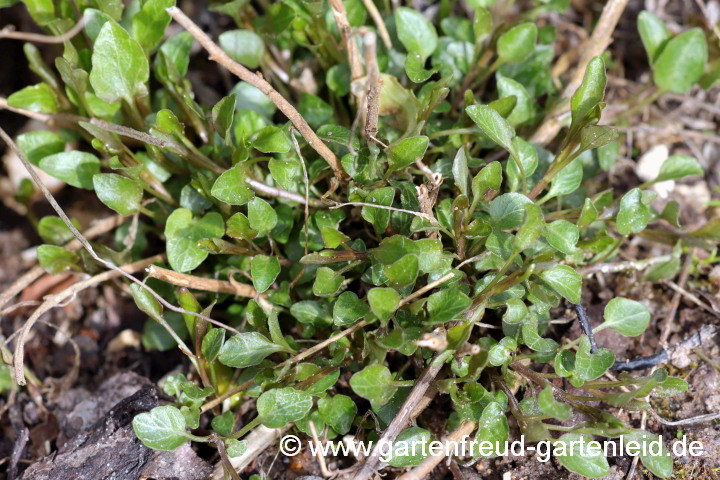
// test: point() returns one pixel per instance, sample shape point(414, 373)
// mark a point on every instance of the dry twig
point(595, 45)
point(338, 10)
point(10, 33)
point(218, 55)
point(379, 24)
point(372, 97)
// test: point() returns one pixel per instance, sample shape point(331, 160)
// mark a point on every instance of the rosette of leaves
point(395, 260)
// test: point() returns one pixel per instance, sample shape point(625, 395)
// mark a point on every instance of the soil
point(60, 431)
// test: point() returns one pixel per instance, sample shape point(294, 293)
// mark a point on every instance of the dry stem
point(372, 97)
point(424, 469)
point(379, 24)
point(200, 283)
point(8, 32)
point(219, 56)
point(338, 10)
point(594, 46)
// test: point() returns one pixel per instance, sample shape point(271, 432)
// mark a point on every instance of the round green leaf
point(681, 62)
point(374, 383)
point(518, 43)
point(243, 46)
point(280, 406)
point(577, 457)
point(246, 349)
point(415, 32)
point(627, 317)
point(264, 270)
point(119, 193)
point(162, 428)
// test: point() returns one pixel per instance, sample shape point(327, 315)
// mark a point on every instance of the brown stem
point(594, 46)
point(338, 10)
point(200, 283)
point(218, 55)
point(372, 98)
point(9, 33)
point(379, 24)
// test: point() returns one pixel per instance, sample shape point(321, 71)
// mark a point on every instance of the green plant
point(387, 217)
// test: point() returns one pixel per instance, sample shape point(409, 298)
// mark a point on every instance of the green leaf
point(243, 46)
point(531, 229)
point(222, 115)
point(415, 32)
point(223, 424)
point(383, 302)
point(56, 259)
point(493, 125)
point(53, 230)
point(460, 171)
point(271, 139)
point(596, 136)
point(402, 272)
point(379, 217)
point(565, 281)
point(508, 210)
point(572, 451)
point(492, 427)
point(280, 406)
point(338, 411)
point(549, 406)
point(405, 152)
point(38, 98)
point(411, 447)
point(625, 316)
point(176, 51)
point(212, 343)
point(591, 92)
point(562, 236)
point(634, 213)
point(162, 428)
point(652, 452)
point(75, 168)
point(261, 215)
point(333, 238)
point(567, 180)
point(238, 226)
point(264, 270)
point(42, 11)
point(446, 304)
point(146, 302)
point(348, 309)
point(182, 232)
point(535, 342)
point(312, 312)
point(653, 33)
point(677, 167)
point(327, 282)
point(316, 111)
point(590, 366)
point(120, 68)
point(681, 62)
point(38, 144)
point(148, 25)
point(518, 43)
point(235, 448)
point(231, 188)
point(246, 349)
point(415, 68)
point(119, 193)
point(374, 383)
point(524, 109)
point(488, 178)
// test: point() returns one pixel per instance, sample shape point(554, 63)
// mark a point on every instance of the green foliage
point(447, 214)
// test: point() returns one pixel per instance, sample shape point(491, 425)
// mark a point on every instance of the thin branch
point(693, 341)
point(372, 97)
point(708, 417)
point(401, 418)
point(316, 348)
point(306, 181)
point(675, 303)
point(615, 267)
point(585, 323)
point(382, 207)
point(200, 283)
point(258, 441)
point(379, 23)
point(424, 289)
point(274, 192)
point(455, 438)
point(218, 55)
point(9, 33)
point(341, 19)
point(594, 46)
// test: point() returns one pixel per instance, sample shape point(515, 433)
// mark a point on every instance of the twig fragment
point(595, 45)
point(341, 19)
point(10, 33)
point(585, 323)
point(218, 55)
point(379, 23)
point(372, 97)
